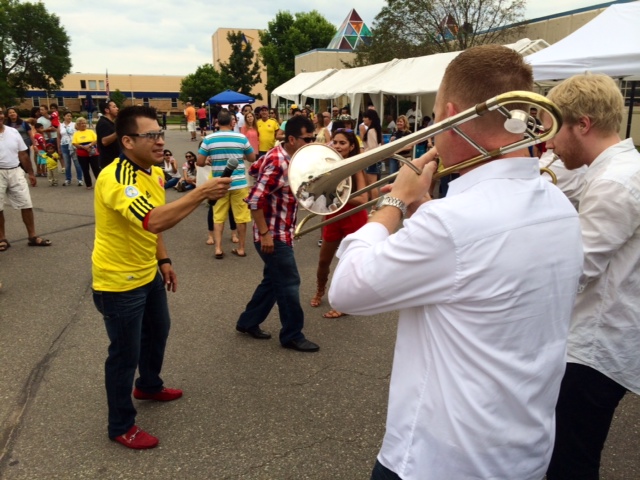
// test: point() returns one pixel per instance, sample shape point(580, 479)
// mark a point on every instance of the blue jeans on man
point(137, 323)
point(280, 284)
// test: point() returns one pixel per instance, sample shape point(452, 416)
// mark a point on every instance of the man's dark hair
point(296, 124)
point(224, 118)
point(54, 105)
point(127, 120)
point(104, 105)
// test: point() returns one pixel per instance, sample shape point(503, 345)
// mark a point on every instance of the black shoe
point(303, 345)
point(255, 332)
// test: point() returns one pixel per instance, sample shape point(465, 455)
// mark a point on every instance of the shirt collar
point(512, 168)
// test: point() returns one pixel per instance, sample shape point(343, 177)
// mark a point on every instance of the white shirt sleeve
point(609, 216)
point(378, 272)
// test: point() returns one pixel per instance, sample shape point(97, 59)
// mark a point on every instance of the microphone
point(232, 164)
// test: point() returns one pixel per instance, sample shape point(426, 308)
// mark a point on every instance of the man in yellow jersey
point(268, 131)
point(131, 268)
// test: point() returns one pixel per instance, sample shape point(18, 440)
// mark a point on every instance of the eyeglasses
point(343, 130)
point(308, 139)
point(189, 156)
point(152, 135)
point(167, 154)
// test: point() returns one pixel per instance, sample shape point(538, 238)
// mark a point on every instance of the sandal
point(39, 242)
point(4, 245)
point(334, 314)
point(317, 298)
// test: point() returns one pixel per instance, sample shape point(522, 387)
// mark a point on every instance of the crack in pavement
point(14, 420)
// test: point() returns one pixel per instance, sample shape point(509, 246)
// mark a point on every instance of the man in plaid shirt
point(274, 207)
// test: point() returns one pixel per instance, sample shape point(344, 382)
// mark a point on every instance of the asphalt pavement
point(251, 409)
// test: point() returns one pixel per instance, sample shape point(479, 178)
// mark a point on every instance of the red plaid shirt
point(273, 195)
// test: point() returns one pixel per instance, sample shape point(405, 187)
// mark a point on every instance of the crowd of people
point(511, 357)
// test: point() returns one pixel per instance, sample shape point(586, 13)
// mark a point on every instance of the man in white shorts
point(13, 186)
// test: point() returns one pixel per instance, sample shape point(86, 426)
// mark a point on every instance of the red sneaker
point(164, 395)
point(137, 438)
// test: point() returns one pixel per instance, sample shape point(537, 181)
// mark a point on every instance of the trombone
point(321, 179)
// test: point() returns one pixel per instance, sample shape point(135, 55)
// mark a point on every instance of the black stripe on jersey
point(140, 207)
point(125, 173)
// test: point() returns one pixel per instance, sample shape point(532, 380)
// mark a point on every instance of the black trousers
point(85, 163)
point(587, 402)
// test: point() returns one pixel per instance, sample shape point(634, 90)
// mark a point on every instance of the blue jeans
point(280, 284)
point(380, 472)
point(138, 325)
point(68, 159)
point(171, 183)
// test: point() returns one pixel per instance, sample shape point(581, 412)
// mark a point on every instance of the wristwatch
point(394, 202)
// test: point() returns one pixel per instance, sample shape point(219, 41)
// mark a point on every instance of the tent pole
point(632, 100)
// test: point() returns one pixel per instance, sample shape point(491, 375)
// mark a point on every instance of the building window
point(83, 84)
point(101, 84)
point(626, 88)
point(92, 85)
point(60, 101)
point(174, 103)
point(36, 101)
point(145, 101)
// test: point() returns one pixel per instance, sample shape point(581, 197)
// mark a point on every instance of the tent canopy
point(346, 80)
point(292, 89)
point(230, 97)
point(609, 44)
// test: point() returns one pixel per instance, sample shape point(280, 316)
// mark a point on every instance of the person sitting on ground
point(170, 167)
point(188, 180)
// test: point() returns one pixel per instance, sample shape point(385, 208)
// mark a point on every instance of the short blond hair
point(483, 72)
point(81, 120)
point(406, 122)
point(595, 96)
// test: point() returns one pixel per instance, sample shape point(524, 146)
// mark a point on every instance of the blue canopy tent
point(230, 97)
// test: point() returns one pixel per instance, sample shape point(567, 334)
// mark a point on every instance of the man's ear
point(127, 142)
point(584, 124)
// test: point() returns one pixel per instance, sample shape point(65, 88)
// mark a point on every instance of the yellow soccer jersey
point(52, 161)
point(124, 252)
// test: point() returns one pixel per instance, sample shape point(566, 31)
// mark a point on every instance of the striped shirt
point(221, 146)
point(272, 194)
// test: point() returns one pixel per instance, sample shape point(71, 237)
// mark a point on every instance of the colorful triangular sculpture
point(351, 33)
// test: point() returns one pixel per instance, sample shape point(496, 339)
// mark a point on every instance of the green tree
point(287, 36)
point(409, 28)
point(242, 72)
point(118, 97)
point(35, 49)
point(200, 86)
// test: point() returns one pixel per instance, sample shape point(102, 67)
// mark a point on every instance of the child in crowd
point(52, 158)
point(39, 141)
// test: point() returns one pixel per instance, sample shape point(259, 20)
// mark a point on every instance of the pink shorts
point(334, 232)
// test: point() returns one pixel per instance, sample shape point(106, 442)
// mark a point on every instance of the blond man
point(602, 359)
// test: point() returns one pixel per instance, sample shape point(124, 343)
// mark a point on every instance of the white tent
point(346, 80)
point(609, 44)
point(420, 76)
point(292, 89)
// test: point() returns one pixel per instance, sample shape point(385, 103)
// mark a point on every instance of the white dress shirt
point(605, 327)
point(571, 182)
point(485, 280)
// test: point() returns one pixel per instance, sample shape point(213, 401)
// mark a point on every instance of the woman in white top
point(171, 174)
point(66, 148)
point(372, 139)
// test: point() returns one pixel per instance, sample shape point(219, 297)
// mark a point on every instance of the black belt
point(9, 168)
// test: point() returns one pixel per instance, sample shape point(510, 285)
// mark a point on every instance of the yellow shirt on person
point(124, 252)
point(267, 133)
point(52, 160)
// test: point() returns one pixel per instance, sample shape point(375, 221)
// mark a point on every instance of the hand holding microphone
point(232, 164)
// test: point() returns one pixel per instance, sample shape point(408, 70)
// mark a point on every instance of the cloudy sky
point(173, 37)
